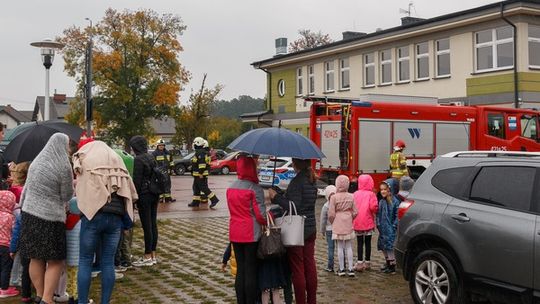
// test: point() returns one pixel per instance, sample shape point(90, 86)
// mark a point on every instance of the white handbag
point(292, 227)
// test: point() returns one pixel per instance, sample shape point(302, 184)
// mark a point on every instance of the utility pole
point(88, 85)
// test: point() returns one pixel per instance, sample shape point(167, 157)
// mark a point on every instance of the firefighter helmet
point(399, 145)
point(205, 144)
point(160, 142)
point(198, 142)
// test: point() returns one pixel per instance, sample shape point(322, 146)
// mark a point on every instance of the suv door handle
point(462, 218)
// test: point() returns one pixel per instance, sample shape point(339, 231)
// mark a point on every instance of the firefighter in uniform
point(200, 166)
point(398, 161)
point(164, 161)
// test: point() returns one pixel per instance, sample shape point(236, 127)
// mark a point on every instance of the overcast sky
point(222, 38)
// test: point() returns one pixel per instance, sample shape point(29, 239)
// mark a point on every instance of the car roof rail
point(509, 154)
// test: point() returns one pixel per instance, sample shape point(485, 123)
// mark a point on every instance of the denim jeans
point(330, 244)
point(104, 227)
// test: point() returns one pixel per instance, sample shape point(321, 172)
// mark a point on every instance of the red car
point(225, 165)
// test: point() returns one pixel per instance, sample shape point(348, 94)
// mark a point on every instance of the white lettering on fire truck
point(499, 148)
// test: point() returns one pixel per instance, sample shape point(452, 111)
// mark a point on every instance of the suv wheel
point(434, 279)
point(179, 170)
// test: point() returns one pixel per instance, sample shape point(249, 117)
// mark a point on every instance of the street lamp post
point(47, 56)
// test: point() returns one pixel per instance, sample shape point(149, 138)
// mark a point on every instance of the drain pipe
point(269, 88)
point(516, 93)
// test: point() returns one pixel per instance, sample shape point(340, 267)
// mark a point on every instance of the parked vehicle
point(225, 165)
point(357, 137)
point(471, 229)
point(183, 165)
point(283, 175)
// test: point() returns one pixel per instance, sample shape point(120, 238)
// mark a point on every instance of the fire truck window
point(529, 127)
point(496, 125)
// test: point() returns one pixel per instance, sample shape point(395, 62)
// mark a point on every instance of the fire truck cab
point(357, 136)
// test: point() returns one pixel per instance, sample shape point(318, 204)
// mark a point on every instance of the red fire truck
point(357, 137)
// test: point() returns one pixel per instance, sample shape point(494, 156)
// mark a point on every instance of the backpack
point(158, 178)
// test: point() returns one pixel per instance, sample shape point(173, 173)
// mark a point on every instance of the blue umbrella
point(277, 142)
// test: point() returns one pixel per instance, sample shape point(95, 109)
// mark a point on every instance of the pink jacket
point(342, 210)
point(366, 203)
point(7, 219)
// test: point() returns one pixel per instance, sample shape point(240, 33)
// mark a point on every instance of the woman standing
point(303, 193)
point(48, 188)
point(245, 199)
point(147, 204)
point(105, 194)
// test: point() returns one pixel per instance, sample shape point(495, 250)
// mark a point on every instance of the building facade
point(466, 57)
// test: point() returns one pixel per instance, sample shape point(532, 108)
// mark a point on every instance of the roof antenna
point(407, 11)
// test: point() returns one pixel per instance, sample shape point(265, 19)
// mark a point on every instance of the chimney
point(410, 20)
point(59, 98)
point(351, 35)
point(281, 46)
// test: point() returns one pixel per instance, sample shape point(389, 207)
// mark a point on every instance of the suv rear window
point(504, 186)
point(450, 181)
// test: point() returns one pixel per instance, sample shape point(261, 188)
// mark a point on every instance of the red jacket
point(245, 199)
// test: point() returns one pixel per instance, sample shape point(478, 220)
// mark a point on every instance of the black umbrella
point(27, 144)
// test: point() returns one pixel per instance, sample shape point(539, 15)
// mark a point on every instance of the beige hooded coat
point(342, 210)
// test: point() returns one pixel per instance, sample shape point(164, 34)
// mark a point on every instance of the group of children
point(346, 216)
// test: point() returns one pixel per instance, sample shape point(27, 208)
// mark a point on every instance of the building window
point(311, 80)
point(442, 48)
point(344, 75)
point(369, 70)
point(494, 49)
point(281, 88)
point(329, 76)
point(403, 64)
point(299, 82)
point(422, 61)
point(386, 66)
point(534, 46)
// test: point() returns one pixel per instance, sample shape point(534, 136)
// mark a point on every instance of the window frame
point(382, 64)
point(503, 126)
point(343, 70)
point(299, 81)
point(440, 53)
point(478, 170)
point(418, 57)
point(366, 67)
point(532, 40)
point(402, 59)
point(494, 43)
point(311, 79)
point(329, 74)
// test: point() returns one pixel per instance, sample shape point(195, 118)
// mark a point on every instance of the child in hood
point(341, 213)
point(365, 201)
point(387, 222)
point(7, 221)
point(326, 227)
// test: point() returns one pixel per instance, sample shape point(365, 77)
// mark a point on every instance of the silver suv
point(470, 229)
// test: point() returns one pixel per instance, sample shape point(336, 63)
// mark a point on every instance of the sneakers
point(144, 262)
point(120, 268)
point(95, 273)
point(359, 266)
point(126, 265)
point(10, 292)
point(390, 270)
point(154, 261)
point(367, 265)
point(118, 276)
point(341, 272)
point(350, 273)
point(63, 298)
point(328, 269)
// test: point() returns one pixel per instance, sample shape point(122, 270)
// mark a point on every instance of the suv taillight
point(404, 207)
point(279, 171)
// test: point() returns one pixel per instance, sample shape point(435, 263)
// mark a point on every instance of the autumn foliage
point(136, 71)
point(309, 40)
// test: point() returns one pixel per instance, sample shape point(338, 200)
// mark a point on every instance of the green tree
point(235, 107)
point(193, 119)
point(309, 40)
point(136, 70)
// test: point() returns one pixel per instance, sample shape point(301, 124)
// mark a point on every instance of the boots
point(391, 267)
point(386, 266)
point(193, 204)
point(214, 201)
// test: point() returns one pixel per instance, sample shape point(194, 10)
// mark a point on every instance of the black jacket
point(304, 195)
point(142, 164)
